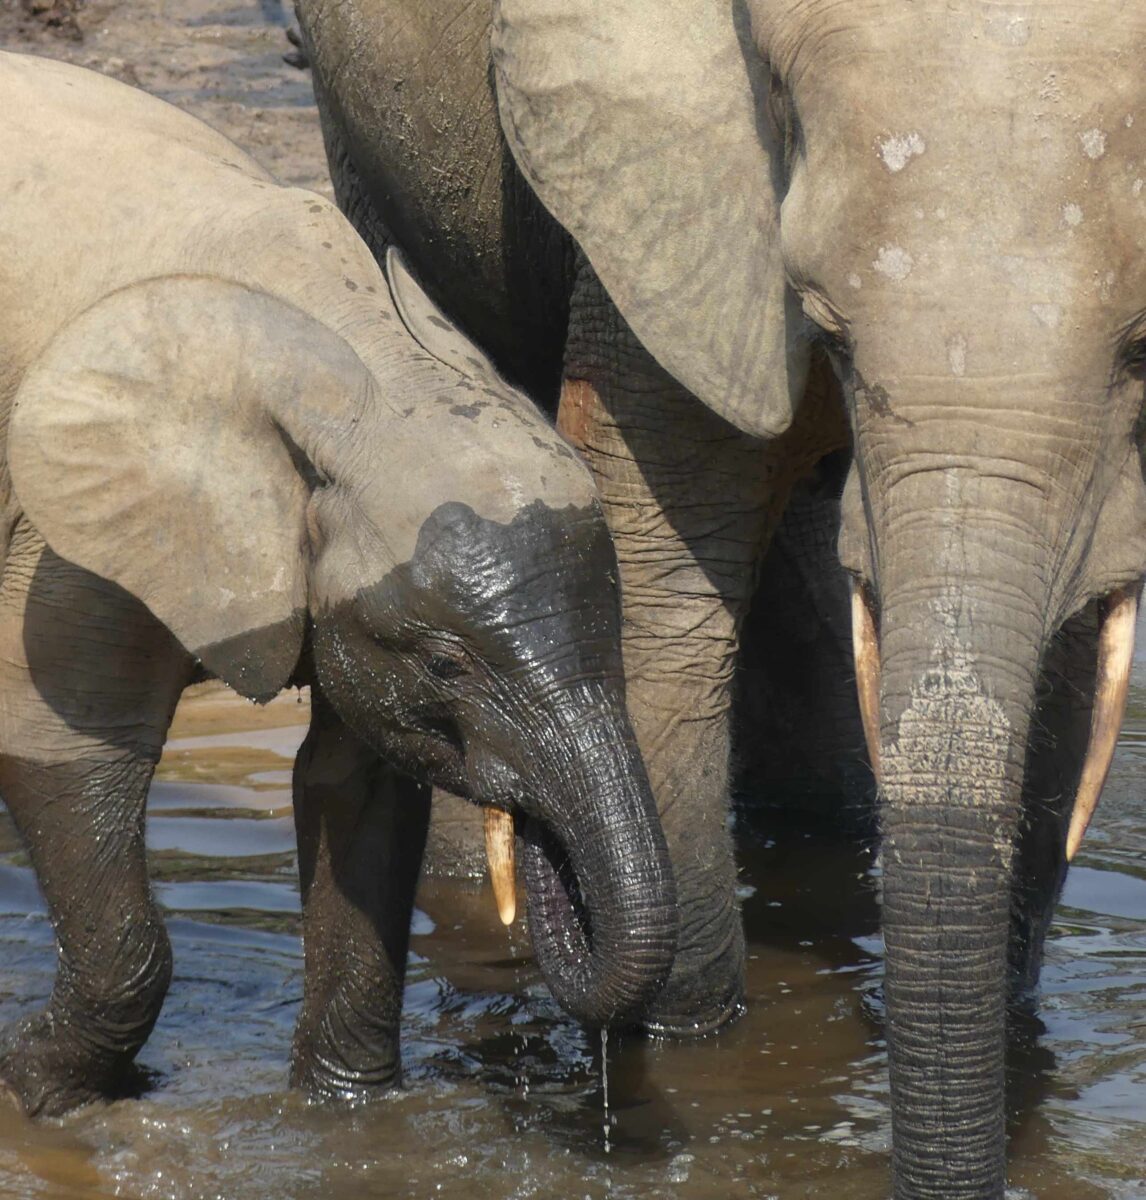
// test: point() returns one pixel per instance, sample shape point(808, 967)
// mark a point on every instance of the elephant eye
point(447, 666)
point(1134, 357)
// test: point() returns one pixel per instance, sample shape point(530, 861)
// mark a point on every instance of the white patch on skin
point(1137, 186)
point(1009, 28)
point(957, 355)
point(1072, 215)
point(1106, 285)
point(894, 262)
point(897, 151)
point(941, 213)
point(931, 734)
point(854, 281)
point(1093, 143)
point(1047, 315)
point(1129, 122)
point(513, 486)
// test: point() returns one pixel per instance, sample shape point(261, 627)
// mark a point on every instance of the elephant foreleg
point(691, 503)
point(799, 737)
point(361, 832)
point(88, 683)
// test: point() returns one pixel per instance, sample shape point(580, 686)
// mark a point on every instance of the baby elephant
point(235, 447)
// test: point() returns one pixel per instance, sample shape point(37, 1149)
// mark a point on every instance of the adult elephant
point(417, 155)
point(949, 199)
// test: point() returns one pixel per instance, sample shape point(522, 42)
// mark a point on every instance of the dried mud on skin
point(221, 60)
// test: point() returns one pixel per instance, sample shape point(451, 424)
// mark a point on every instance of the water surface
point(503, 1093)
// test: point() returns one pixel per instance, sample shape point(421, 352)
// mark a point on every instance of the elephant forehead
point(477, 446)
point(544, 576)
point(1019, 171)
point(798, 36)
point(969, 97)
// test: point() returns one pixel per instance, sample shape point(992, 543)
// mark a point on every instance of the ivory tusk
point(865, 647)
point(500, 851)
point(1112, 682)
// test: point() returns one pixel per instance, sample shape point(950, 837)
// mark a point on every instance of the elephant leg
point(799, 740)
point(361, 832)
point(691, 503)
point(88, 683)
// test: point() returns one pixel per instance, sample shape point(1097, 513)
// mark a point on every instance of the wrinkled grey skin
point(409, 116)
point(226, 431)
point(948, 197)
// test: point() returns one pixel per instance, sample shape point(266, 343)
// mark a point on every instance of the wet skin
point(285, 469)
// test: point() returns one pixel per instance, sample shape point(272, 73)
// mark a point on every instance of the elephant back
point(415, 148)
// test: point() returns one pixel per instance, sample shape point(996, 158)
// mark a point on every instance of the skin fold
point(947, 199)
point(406, 94)
point(234, 446)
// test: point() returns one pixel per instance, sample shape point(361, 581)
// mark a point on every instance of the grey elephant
point(947, 201)
point(235, 447)
point(417, 155)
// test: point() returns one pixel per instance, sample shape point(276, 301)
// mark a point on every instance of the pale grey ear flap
point(156, 444)
point(431, 328)
point(640, 126)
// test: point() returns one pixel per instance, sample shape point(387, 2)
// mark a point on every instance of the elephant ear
point(156, 443)
point(641, 126)
point(431, 328)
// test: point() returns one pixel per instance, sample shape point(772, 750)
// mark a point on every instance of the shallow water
point(503, 1095)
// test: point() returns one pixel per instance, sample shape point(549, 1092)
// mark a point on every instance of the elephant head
point(373, 499)
point(948, 198)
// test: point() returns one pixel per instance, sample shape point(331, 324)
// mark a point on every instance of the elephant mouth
point(1118, 615)
point(560, 922)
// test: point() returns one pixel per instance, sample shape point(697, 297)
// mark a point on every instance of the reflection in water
point(504, 1093)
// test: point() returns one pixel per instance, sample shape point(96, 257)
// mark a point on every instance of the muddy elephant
point(235, 447)
point(417, 154)
point(948, 202)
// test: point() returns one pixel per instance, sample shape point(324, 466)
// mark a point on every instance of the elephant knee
point(113, 996)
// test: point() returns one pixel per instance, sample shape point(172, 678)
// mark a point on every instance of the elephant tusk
point(500, 850)
point(865, 647)
point(1118, 614)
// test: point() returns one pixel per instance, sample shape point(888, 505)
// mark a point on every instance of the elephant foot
point(324, 1078)
point(347, 1054)
point(46, 1074)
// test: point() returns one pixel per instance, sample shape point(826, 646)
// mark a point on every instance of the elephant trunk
point(602, 900)
point(960, 644)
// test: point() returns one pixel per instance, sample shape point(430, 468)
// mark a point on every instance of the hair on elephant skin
point(236, 446)
point(946, 201)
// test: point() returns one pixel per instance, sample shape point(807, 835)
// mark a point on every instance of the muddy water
point(503, 1093)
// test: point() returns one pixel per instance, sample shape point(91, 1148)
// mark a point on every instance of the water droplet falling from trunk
point(605, 1085)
